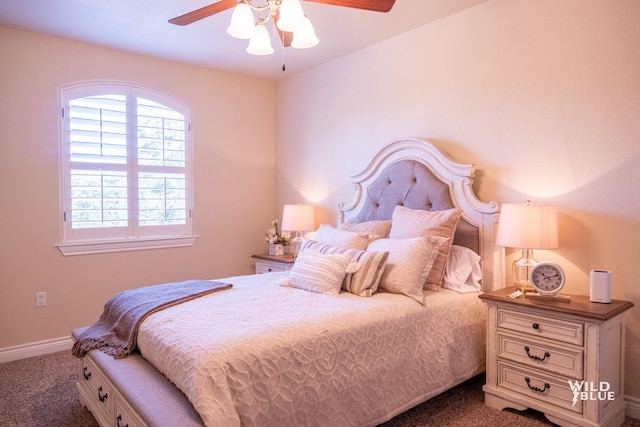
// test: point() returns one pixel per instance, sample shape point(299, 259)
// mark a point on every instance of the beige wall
point(234, 183)
point(543, 96)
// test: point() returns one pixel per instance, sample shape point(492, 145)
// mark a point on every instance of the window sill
point(105, 246)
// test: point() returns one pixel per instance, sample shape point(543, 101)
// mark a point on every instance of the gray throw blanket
point(116, 331)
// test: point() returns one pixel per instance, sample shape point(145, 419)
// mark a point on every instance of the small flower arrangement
point(275, 236)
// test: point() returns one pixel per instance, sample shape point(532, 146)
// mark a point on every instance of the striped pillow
point(365, 281)
point(322, 273)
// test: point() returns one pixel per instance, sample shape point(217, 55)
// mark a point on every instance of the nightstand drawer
point(268, 263)
point(267, 267)
point(533, 384)
point(564, 361)
point(540, 326)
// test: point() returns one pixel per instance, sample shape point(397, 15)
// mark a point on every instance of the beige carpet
point(40, 391)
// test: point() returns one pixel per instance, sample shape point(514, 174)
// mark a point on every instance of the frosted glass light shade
point(305, 37)
point(242, 22)
point(291, 15)
point(260, 42)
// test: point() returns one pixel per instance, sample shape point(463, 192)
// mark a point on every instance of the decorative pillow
point(363, 282)
point(409, 263)
point(407, 223)
point(462, 271)
point(375, 229)
point(347, 239)
point(322, 273)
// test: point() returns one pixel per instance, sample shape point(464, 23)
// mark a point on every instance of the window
point(125, 168)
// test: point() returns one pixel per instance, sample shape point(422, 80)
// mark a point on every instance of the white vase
point(276, 249)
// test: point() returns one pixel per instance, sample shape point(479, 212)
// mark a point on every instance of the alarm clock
point(547, 278)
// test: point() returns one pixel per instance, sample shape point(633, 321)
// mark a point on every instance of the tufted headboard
point(413, 173)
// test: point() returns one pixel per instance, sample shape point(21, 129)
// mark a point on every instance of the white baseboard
point(38, 348)
point(633, 407)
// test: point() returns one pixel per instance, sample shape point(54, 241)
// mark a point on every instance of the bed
point(286, 349)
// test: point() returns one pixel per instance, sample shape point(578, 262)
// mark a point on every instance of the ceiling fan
point(289, 21)
point(222, 5)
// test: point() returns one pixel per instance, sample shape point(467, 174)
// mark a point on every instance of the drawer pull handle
point(535, 326)
point(539, 390)
point(534, 357)
point(119, 418)
point(101, 396)
point(86, 374)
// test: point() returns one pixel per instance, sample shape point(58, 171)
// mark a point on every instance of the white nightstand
point(267, 263)
point(538, 352)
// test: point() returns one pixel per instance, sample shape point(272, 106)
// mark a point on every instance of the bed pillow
point(321, 273)
point(363, 282)
point(462, 271)
point(378, 229)
point(409, 263)
point(344, 238)
point(408, 223)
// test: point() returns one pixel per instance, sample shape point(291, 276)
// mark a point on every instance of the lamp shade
point(528, 226)
point(260, 42)
point(298, 218)
point(242, 25)
point(291, 15)
point(305, 36)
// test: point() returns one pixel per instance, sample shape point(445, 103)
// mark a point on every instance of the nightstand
point(267, 263)
point(565, 359)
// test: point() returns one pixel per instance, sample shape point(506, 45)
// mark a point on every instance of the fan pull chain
point(284, 66)
point(276, 31)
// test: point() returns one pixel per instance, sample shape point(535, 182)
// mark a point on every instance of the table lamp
point(298, 218)
point(527, 226)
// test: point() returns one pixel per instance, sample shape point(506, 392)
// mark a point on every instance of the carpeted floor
point(40, 392)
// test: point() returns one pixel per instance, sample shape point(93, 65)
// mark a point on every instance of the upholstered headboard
point(413, 173)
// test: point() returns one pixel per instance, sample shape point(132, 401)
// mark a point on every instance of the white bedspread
point(265, 355)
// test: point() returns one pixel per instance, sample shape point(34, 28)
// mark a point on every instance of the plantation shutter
point(161, 159)
point(126, 164)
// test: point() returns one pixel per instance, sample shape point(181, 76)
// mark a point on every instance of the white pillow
point(462, 271)
point(322, 273)
point(408, 264)
point(346, 239)
point(416, 223)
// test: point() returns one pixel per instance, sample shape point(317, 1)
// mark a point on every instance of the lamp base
point(556, 297)
point(525, 289)
point(521, 272)
point(295, 245)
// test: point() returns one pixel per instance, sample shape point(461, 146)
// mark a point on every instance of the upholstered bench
point(131, 392)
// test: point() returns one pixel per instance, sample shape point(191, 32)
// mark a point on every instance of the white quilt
point(265, 355)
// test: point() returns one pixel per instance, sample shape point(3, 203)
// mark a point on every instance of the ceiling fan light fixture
point(291, 16)
point(242, 23)
point(260, 42)
point(305, 37)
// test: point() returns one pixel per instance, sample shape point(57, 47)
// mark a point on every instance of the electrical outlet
point(41, 299)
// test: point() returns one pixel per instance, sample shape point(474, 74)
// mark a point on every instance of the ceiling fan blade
point(203, 12)
point(374, 5)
